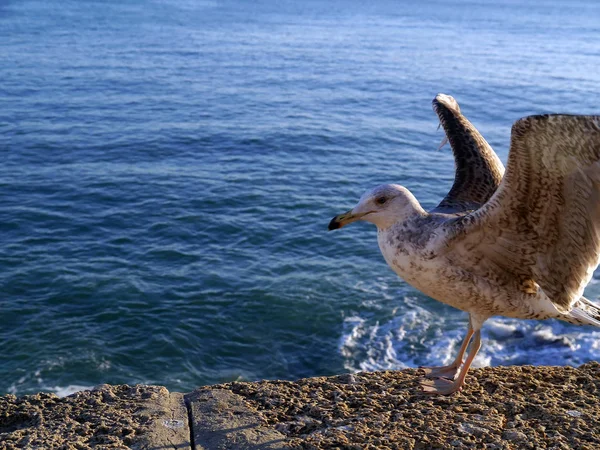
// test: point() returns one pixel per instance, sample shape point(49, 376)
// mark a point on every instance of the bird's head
point(384, 206)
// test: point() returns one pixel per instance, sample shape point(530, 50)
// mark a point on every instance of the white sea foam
point(39, 380)
point(24, 384)
point(67, 390)
point(422, 338)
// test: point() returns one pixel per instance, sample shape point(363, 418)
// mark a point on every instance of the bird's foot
point(440, 386)
point(448, 372)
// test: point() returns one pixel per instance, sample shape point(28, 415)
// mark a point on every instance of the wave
point(422, 338)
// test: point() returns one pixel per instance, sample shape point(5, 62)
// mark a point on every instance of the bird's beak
point(345, 219)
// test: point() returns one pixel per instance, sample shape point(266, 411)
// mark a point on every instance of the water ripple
point(169, 170)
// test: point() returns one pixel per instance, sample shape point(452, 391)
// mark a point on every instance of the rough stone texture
point(169, 428)
point(221, 420)
point(500, 408)
point(108, 417)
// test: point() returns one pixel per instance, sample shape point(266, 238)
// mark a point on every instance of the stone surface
point(108, 417)
point(169, 427)
point(500, 408)
point(221, 420)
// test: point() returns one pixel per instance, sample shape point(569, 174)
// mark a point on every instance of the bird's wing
point(543, 222)
point(478, 168)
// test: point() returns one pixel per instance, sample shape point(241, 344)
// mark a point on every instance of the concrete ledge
point(501, 408)
point(221, 420)
point(107, 417)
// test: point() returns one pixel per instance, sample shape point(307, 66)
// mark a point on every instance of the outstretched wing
point(543, 222)
point(478, 168)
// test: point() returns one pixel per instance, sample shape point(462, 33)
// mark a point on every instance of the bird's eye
point(380, 200)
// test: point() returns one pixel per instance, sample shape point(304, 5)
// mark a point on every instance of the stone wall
point(500, 408)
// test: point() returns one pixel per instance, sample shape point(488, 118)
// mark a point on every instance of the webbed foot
point(448, 372)
point(440, 386)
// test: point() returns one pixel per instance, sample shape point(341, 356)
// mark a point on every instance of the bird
point(520, 243)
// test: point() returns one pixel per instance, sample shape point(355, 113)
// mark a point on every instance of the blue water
point(169, 169)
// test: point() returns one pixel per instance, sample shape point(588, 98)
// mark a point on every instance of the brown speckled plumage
point(522, 245)
point(543, 224)
point(478, 170)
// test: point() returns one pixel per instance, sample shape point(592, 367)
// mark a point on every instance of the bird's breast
point(426, 271)
point(414, 265)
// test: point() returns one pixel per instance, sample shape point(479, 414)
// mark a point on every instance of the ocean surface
point(168, 170)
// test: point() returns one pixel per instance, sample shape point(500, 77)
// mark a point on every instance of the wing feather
point(478, 170)
point(543, 222)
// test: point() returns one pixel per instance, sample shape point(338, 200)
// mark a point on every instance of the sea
point(168, 169)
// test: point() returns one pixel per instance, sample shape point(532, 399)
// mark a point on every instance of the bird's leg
point(450, 370)
point(444, 386)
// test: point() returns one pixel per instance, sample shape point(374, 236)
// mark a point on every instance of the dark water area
point(169, 170)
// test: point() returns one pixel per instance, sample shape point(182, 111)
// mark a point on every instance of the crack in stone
point(190, 422)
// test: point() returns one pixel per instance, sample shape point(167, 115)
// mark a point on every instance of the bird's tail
point(584, 312)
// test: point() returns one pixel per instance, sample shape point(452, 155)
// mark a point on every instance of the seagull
point(522, 244)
